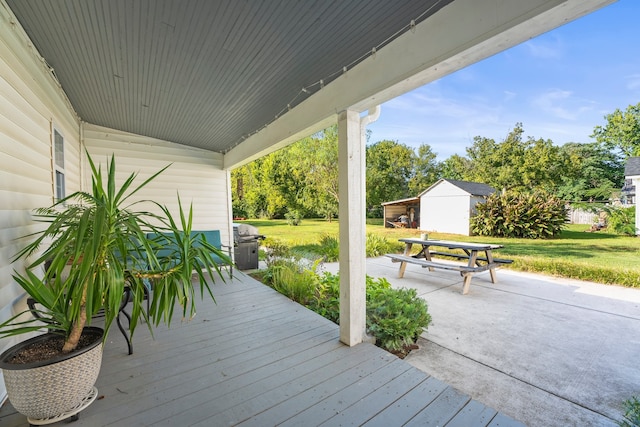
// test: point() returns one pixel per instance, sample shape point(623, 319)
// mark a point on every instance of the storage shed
point(448, 205)
point(632, 172)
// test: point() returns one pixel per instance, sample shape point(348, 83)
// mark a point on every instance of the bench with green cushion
point(213, 238)
point(165, 249)
point(168, 250)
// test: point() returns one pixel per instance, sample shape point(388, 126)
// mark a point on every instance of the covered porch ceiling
point(246, 77)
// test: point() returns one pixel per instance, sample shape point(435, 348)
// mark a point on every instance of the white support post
point(351, 181)
point(636, 182)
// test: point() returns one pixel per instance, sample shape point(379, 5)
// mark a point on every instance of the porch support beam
point(351, 182)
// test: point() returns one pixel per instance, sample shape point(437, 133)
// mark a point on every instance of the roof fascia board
point(466, 31)
point(408, 200)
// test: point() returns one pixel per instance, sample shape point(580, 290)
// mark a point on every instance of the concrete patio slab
point(545, 351)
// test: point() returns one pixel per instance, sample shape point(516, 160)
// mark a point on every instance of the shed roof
point(407, 201)
point(632, 168)
point(473, 188)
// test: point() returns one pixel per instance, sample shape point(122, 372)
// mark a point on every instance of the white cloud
point(428, 104)
point(508, 96)
point(545, 48)
point(633, 82)
point(562, 104)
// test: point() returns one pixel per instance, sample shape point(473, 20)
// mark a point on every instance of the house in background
point(209, 86)
point(448, 205)
point(628, 193)
point(632, 173)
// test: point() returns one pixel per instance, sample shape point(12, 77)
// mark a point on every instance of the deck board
point(474, 414)
point(255, 358)
point(347, 396)
point(405, 408)
point(441, 410)
point(318, 389)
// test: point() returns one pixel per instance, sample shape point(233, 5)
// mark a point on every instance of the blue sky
point(559, 85)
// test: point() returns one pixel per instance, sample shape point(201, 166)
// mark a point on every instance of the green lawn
point(576, 253)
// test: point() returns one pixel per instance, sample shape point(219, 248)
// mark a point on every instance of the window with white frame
point(58, 164)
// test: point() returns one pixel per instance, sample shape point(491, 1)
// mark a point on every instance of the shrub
point(275, 250)
point(329, 247)
point(396, 317)
point(293, 217)
point(632, 413)
point(621, 220)
point(326, 302)
point(512, 214)
point(378, 245)
point(239, 208)
point(289, 278)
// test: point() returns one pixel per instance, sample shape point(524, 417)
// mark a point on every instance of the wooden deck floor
point(257, 359)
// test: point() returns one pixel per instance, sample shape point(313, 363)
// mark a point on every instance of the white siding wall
point(31, 102)
point(194, 174)
point(445, 209)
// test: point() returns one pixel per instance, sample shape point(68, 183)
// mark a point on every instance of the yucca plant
point(97, 244)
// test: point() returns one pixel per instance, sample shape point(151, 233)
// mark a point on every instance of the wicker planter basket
point(48, 389)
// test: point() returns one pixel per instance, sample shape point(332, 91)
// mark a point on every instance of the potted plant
point(96, 246)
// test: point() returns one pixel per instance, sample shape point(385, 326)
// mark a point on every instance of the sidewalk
point(543, 350)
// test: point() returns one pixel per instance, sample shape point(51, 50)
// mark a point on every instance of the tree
point(514, 163)
point(426, 170)
point(455, 167)
point(315, 165)
point(622, 131)
point(264, 187)
point(541, 165)
point(389, 168)
point(494, 163)
point(302, 177)
point(590, 171)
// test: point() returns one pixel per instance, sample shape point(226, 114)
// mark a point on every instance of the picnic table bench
point(470, 251)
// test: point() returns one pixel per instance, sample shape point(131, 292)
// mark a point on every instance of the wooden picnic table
point(472, 252)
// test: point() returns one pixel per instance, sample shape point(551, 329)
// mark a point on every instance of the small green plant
point(275, 250)
point(537, 215)
point(293, 217)
point(296, 282)
point(631, 413)
point(326, 301)
point(378, 245)
point(396, 317)
point(329, 247)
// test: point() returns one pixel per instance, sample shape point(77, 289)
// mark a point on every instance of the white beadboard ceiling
point(204, 73)
point(213, 74)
